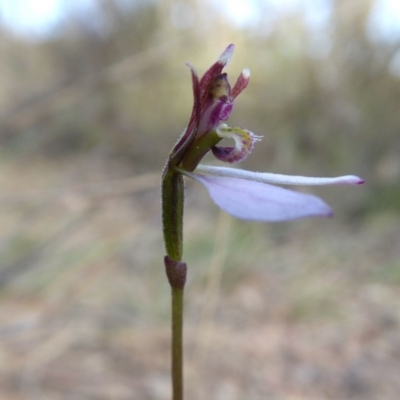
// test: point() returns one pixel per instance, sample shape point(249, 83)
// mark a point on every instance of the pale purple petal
point(258, 201)
point(278, 178)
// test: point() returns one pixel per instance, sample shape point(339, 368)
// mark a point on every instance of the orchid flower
point(243, 194)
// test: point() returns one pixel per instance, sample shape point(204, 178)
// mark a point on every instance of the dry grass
point(307, 310)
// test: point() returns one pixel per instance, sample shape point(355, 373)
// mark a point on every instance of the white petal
point(277, 178)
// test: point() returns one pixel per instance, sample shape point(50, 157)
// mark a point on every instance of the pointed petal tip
point(351, 180)
point(226, 54)
point(241, 83)
point(192, 68)
point(246, 73)
point(320, 209)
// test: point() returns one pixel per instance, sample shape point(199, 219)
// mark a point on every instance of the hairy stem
point(172, 213)
point(176, 273)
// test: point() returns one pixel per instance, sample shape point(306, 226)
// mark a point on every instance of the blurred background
point(93, 94)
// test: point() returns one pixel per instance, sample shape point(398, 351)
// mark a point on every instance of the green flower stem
point(176, 270)
point(172, 212)
point(176, 273)
point(172, 218)
point(177, 344)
